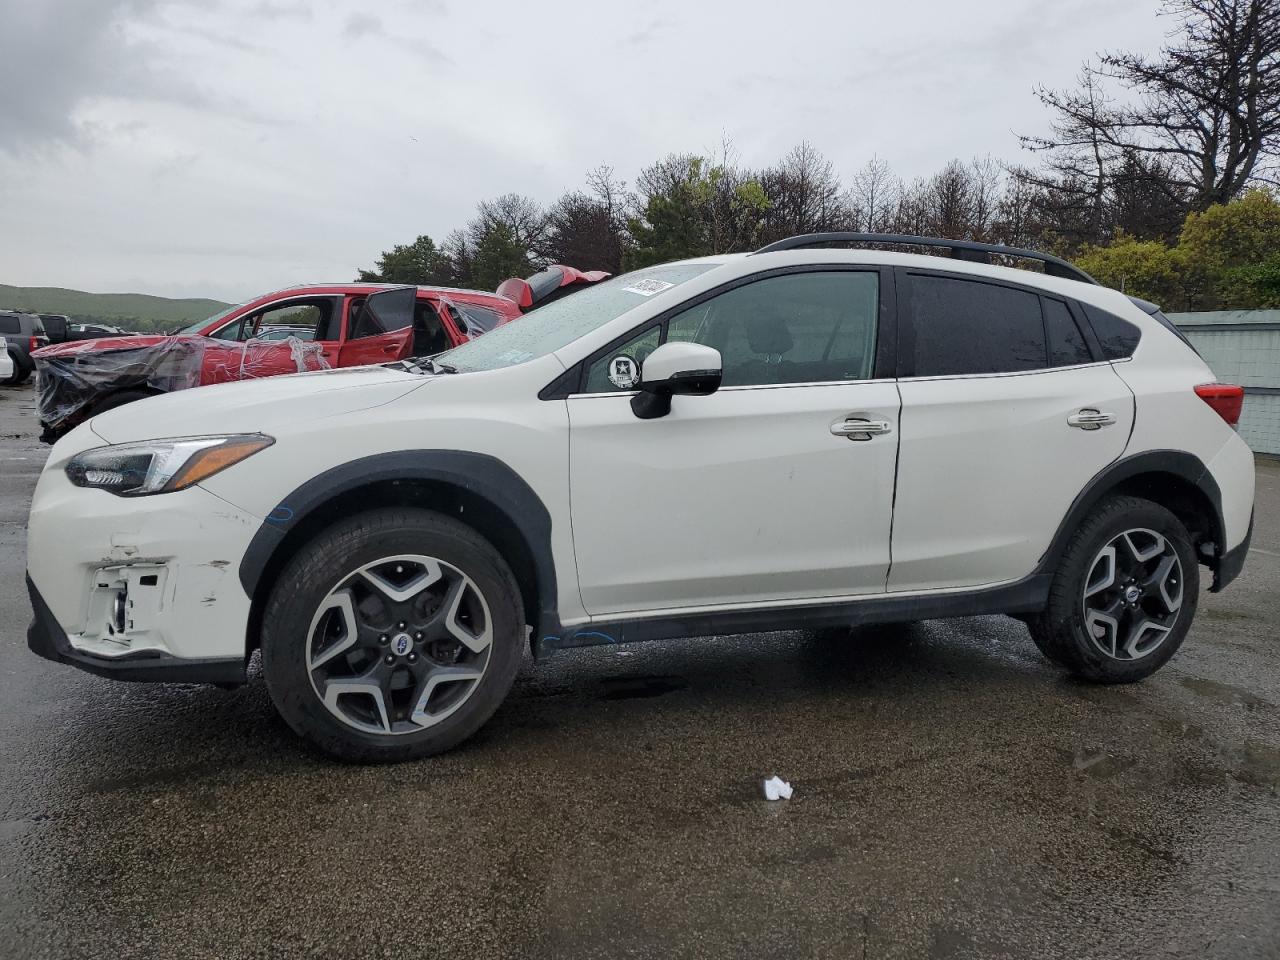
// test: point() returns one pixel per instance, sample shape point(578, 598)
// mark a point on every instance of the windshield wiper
point(429, 365)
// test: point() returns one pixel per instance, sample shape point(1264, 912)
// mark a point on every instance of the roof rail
point(960, 249)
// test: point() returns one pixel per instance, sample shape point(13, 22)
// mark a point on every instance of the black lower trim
point(47, 639)
point(1025, 596)
point(479, 475)
point(1177, 463)
point(1232, 562)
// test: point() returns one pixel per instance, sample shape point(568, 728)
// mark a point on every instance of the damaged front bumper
point(47, 639)
point(140, 588)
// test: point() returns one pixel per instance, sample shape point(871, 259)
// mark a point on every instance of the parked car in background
point(287, 331)
point(91, 331)
point(798, 437)
point(284, 333)
point(57, 326)
point(6, 362)
point(549, 285)
point(24, 334)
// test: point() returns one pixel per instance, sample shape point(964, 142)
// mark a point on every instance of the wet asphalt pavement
point(955, 796)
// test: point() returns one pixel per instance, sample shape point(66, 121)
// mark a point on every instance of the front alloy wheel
point(1133, 594)
point(398, 645)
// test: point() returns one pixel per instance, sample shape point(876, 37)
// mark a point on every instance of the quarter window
point(1119, 338)
point(966, 327)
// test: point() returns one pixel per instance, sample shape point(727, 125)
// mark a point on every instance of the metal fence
point(1243, 346)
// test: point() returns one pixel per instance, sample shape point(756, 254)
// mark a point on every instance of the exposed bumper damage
point(46, 638)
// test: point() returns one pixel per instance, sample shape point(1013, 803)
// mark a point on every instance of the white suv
point(803, 436)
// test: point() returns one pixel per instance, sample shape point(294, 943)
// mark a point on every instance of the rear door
point(379, 328)
point(1008, 410)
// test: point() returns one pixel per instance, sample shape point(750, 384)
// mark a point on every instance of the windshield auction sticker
point(647, 288)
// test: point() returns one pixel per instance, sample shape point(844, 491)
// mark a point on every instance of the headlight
point(161, 466)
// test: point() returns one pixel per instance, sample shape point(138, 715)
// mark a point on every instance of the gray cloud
point(226, 147)
point(56, 53)
point(363, 24)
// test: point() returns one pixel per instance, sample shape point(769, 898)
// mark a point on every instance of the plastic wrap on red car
point(73, 383)
point(226, 361)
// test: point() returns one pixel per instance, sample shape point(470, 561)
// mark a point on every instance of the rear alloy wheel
point(1124, 595)
point(392, 635)
point(1132, 594)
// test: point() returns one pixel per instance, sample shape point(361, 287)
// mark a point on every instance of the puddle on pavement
point(1258, 764)
point(633, 688)
point(1098, 764)
point(1225, 693)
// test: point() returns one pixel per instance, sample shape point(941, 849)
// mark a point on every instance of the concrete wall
point(1243, 346)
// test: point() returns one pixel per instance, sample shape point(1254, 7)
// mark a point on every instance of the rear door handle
point(857, 428)
point(1090, 418)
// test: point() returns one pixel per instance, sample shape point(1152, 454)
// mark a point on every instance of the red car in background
point(330, 325)
point(337, 325)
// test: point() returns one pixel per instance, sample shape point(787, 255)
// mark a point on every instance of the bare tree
point(805, 196)
point(521, 215)
point(1207, 108)
point(872, 197)
point(588, 230)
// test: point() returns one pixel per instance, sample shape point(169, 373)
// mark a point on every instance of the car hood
point(256, 406)
point(99, 344)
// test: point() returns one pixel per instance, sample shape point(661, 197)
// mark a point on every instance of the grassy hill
point(133, 311)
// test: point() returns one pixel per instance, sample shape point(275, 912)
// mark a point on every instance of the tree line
point(1156, 175)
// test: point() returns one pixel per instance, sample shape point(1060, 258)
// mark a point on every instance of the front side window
point(969, 327)
point(813, 327)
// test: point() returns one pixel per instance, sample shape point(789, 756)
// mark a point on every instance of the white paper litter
point(775, 788)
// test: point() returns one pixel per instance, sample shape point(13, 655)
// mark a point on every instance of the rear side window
point(967, 326)
point(1119, 338)
point(9, 324)
point(1067, 346)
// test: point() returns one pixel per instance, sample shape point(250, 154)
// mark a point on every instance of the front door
point(379, 328)
point(764, 492)
point(266, 342)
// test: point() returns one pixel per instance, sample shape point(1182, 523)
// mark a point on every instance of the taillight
point(1226, 399)
point(34, 344)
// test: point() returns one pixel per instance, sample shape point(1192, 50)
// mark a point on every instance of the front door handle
point(857, 428)
point(1091, 419)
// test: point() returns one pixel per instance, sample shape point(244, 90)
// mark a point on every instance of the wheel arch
point(476, 489)
point(1174, 479)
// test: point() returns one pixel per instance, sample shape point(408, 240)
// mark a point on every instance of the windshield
point(558, 324)
point(201, 324)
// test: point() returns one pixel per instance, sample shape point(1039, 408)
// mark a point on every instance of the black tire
point(1060, 631)
point(118, 399)
point(321, 565)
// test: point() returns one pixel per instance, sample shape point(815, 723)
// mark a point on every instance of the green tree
point(1225, 251)
point(693, 208)
point(1142, 268)
point(419, 262)
point(498, 254)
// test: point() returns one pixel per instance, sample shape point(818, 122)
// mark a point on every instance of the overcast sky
point(226, 147)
